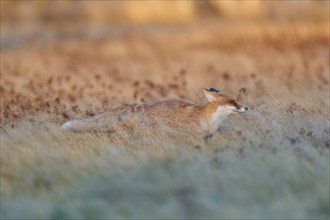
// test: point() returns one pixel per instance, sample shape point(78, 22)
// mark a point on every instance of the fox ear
point(209, 95)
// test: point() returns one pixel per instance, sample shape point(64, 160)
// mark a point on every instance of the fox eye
point(232, 103)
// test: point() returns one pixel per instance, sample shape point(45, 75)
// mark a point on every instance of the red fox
point(175, 113)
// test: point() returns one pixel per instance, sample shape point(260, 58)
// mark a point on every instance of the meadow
point(271, 162)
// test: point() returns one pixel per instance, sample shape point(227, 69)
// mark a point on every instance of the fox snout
point(241, 109)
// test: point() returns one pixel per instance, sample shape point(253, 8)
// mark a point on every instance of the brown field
point(284, 64)
point(272, 161)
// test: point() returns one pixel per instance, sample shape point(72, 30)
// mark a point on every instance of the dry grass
point(272, 162)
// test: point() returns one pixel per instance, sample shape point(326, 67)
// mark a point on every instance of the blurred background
point(48, 20)
point(98, 54)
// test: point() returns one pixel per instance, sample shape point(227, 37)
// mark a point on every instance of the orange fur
point(174, 113)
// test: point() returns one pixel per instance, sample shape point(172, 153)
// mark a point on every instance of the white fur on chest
point(219, 116)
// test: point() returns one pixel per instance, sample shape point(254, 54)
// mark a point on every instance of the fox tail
point(73, 125)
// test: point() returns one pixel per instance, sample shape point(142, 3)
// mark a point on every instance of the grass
point(272, 162)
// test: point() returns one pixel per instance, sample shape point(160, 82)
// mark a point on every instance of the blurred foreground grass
point(243, 172)
point(270, 163)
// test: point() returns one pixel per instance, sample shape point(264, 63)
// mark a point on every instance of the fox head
point(224, 102)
